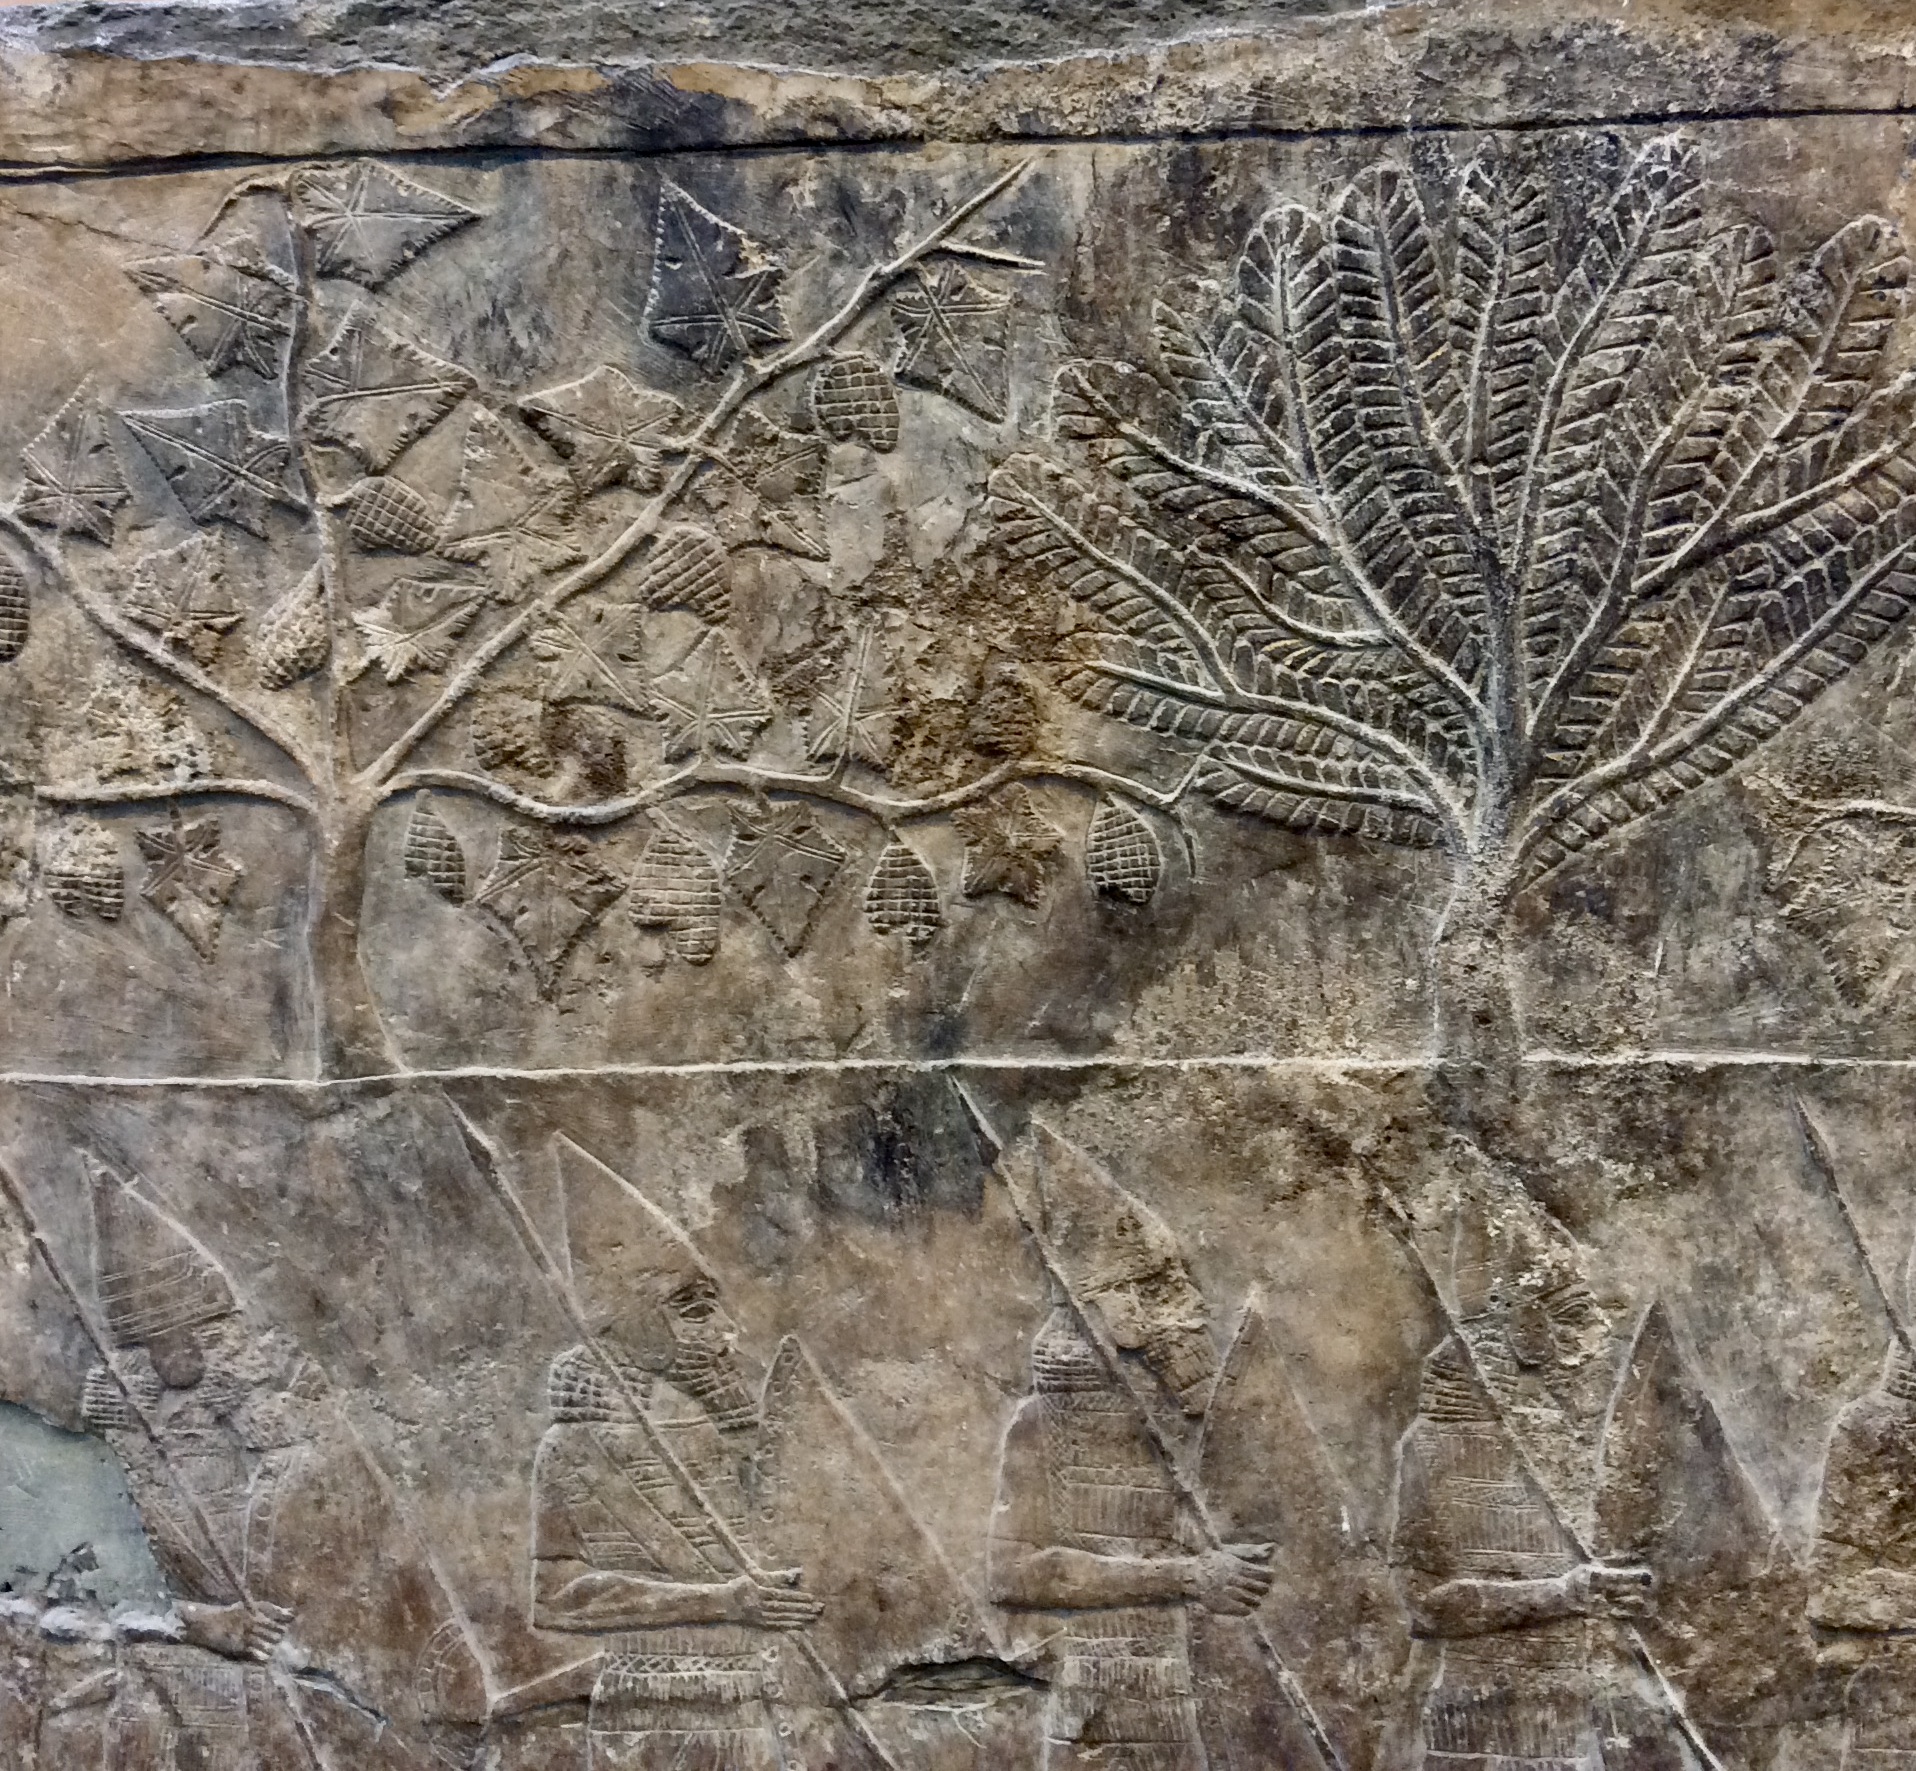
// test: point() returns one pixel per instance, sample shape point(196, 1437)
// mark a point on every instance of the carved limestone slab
point(1047, 918)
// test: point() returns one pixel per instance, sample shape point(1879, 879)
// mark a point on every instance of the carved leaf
point(607, 430)
point(511, 510)
point(1009, 847)
point(854, 720)
point(714, 294)
point(229, 317)
point(416, 626)
point(74, 483)
point(592, 653)
point(189, 878)
point(376, 393)
point(220, 467)
point(368, 221)
point(786, 472)
point(953, 329)
point(781, 864)
point(546, 891)
point(181, 593)
point(708, 703)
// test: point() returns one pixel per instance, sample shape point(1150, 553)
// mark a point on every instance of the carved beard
point(710, 1375)
point(1185, 1363)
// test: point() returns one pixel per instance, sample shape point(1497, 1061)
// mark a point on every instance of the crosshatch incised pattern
point(1075, 954)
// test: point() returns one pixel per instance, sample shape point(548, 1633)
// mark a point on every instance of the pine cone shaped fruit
point(853, 399)
point(902, 898)
point(1121, 854)
point(295, 636)
point(433, 854)
point(688, 569)
point(83, 873)
point(387, 513)
point(13, 611)
point(676, 888)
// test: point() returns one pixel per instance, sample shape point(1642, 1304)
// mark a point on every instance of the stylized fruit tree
point(353, 536)
point(1487, 513)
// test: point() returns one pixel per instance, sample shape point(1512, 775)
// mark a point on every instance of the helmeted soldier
point(1863, 1571)
point(218, 1425)
point(1089, 1522)
point(1492, 1576)
point(689, 1679)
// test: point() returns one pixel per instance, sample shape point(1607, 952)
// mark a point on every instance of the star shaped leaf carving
point(546, 891)
point(231, 318)
point(415, 627)
point(855, 720)
point(709, 703)
point(1009, 847)
point(181, 594)
point(953, 329)
point(366, 221)
point(376, 393)
point(511, 510)
point(607, 429)
point(786, 472)
point(782, 863)
point(714, 294)
point(74, 482)
point(189, 879)
point(591, 652)
point(220, 467)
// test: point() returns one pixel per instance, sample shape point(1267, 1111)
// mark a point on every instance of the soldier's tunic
point(185, 1708)
point(1508, 1700)
point(1866, 1521)
point(687, 1698)
point(1080, 1472)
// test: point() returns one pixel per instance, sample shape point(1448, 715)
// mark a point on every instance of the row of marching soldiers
point(1577, 1574)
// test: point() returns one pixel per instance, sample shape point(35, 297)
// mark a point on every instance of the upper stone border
point(70, 98)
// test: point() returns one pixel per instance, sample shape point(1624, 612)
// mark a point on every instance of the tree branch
point(133, 793)
point(746, 382)
point(110, 621)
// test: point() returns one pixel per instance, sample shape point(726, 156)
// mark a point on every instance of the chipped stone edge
point(1421, 66)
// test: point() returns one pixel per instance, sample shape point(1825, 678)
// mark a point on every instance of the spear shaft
point(1632, 1634)
point(486, 1161)
point(102, 1347)
point(1187, 1490)
point(1825, 1169)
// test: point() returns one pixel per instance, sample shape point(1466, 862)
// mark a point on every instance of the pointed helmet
point(625, 1256)
point(152, 1278)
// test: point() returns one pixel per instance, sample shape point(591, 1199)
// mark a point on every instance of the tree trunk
point(350, 1037)
point(1475, 1013)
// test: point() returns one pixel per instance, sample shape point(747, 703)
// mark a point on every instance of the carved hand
point(1231, 1580)
point(265, 1627)
point(1608, 1589)
point(774, 1603)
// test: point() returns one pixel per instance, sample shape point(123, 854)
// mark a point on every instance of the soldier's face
point(699, 1325)
point(1161, 1316)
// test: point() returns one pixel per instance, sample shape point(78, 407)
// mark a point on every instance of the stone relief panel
point(1080, 955)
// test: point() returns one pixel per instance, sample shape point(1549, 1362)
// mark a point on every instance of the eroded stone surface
point(1065, 927)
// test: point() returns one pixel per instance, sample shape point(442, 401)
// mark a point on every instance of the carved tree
point(557, 589)
point(1489, 518)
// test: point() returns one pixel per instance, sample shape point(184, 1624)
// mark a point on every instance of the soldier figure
point(208, 1704)
point(1088, 1520)
point(1489, 1571)
point(689, 1679)
point(1863, 1597)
